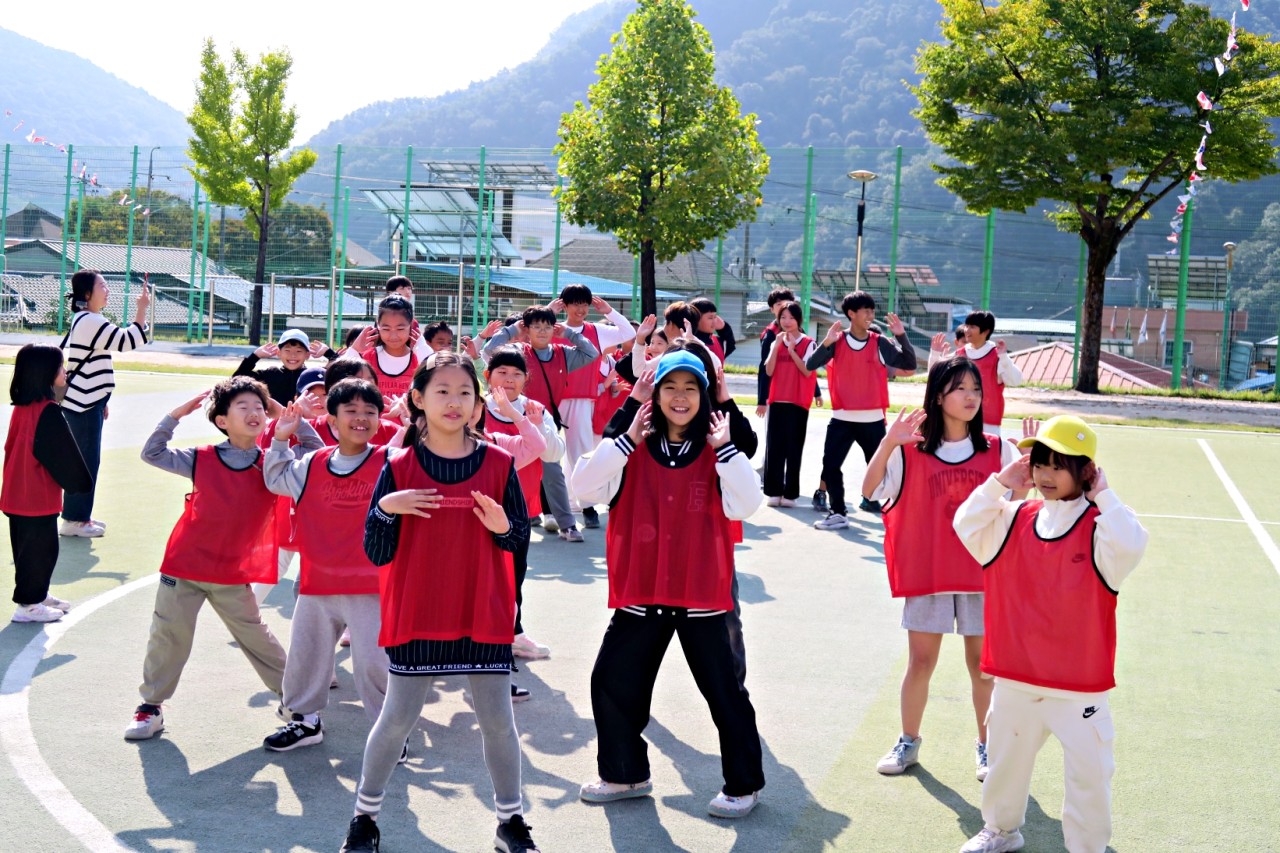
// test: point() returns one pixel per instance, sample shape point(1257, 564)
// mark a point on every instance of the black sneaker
point(513, 837)
point(871, 506)
point(820, 501)
point(294, 734)
point(362, 836)
point(590, 518)
point(518, 693)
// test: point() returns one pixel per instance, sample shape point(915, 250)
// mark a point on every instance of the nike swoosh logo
point(1090, 711)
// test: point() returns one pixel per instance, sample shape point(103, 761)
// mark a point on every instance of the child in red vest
point(929, 462)
point(337, 585)
point(858, 378)
point(551, 364)
point(1051, 571)
point(998, 370)
point(445, 516)
point(395, 356)
point(672, 491)
point(512, 413)
point(224, 541)
point(791, 385)
point(41, 460)
point(715, 334)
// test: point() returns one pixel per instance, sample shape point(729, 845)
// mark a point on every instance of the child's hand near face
point(189, 406)
point(267, 351)
point(534, 411)
point(718, 432)
point(1017, 475)
point(287, 423)
point(640, 423)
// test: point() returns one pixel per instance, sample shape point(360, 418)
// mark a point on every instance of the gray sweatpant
point(318, 621)
point(406, 694)
point(557, 494)
point(173, 627)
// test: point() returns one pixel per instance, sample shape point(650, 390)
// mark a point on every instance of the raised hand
point(1030, 429)
point(309, 406)
point(190, 406)
point(895, 325)
point(274, 409)
point(144, 297)
point(534, 411)
point(643, 389)
point(411, 502)
point(559, 331)
point(491, 328)
point(640, 423)
point(398, 408)
point(556, 305)
point(906, 428)
point(1096, 480)
point(415, 334)
point(940, 344)
point(287, 423)
point(267, 351)
point(601, 306)
point(365, 340)
point(647, 325)
point(1017, 475)
point(1002, 346)
point(502, 404)
point(469, 347)
point(490, 513)
point(688, 331)
point(833, 334)
point(317, 349)
point(722, 387)
point(718, 431)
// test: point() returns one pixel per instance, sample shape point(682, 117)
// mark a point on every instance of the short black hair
point(396, 304)
point(34, 370)
point(433, 329)
point(508, 356)
point(1043, 454)
point(960, 333)
point(351, 389)
point(512, 319)
point(344, 367)
point(352, 334)
point(575, 294)
point(398, 281)
point(538, 314)
point(226, 391)
point(703, 305)
point(780, 294)
point(856, 301)
point(677, 312)
point(983, 321)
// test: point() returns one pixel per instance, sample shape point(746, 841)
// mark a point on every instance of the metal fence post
point(62, 277)
point(1180, 323)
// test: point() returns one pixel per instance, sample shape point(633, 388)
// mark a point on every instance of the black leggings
point(35, 553)
point(783, 447)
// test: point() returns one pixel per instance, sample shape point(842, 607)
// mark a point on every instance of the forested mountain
point(67, 99)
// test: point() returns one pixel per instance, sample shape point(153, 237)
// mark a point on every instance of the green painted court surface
point(1197, 708)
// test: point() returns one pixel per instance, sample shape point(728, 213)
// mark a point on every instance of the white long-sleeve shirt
point(598, 476)
point(982, 522)
point(610, 336)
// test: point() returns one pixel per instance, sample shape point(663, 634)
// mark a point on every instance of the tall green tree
point(660, 156)
point(1092, 104)
point(301, 236)
point(241, 132)
point(105, 220)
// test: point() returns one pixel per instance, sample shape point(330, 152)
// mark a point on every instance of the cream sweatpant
point(576, 414)
point(1018, 724)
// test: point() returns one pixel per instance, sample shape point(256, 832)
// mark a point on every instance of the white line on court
point(20, 741)
point(1268, 544)
point(1202, 518)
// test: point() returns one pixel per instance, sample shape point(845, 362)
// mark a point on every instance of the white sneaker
point(993, 841)
point(601, 791)
point(980, 750)
point(523, 646)
point(147, 722)
point(550, 524)
point(87, 529)
point(833, 521)
point(904, 753)
point(774, 501)
point(787, 503)
point(730, 807)
point(57, 604)
point(36, 613)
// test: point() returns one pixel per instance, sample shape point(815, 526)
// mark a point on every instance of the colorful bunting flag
point(1113, 319)
point(1203, 100)
point(1219, 65)
point(1142, 330)
point(1200, 154)
point(1164, 329)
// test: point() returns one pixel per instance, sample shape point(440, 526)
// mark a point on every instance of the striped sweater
point(88, 347)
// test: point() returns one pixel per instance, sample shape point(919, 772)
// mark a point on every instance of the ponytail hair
point(422, 378)
point(82, 282)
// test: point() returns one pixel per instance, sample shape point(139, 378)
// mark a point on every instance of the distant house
point(687, 276)
point(31, 222)
point(34, 274)
point(1052, 364)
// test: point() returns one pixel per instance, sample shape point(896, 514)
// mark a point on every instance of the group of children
point(409, 493)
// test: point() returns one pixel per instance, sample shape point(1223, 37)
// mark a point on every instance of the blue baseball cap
point(681, 360)
point(310, 376)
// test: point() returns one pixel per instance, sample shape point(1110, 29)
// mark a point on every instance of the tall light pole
point(1230, 249)
point(146, 225)
point(863, 177)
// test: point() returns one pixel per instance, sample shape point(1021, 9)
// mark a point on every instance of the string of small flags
point(79, 170)
point(1220, 64)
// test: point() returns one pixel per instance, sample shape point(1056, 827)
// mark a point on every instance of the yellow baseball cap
point(1066, 434)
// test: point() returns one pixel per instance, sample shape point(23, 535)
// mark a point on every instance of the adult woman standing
point(89, 344)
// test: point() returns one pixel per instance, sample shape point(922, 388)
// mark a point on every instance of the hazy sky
point(344, 56)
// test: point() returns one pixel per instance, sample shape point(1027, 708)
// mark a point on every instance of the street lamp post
point(1230, 249)
point(863, 177)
